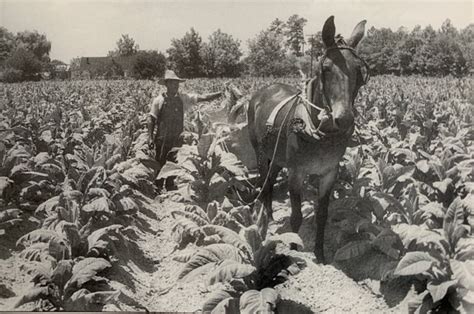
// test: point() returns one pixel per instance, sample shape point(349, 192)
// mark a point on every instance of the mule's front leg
point(325, 186)
point(295, 186)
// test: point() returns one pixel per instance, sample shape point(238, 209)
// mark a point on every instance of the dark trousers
point(163, 154)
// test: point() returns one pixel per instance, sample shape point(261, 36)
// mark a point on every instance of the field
point(82, 226)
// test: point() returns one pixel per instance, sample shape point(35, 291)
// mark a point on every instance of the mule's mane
point(340, 42)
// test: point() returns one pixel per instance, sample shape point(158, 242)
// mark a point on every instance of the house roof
point(87, 63)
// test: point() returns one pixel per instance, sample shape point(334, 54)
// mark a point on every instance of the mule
point(291, 140)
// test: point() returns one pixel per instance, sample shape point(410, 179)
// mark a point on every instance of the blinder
point(364, 71)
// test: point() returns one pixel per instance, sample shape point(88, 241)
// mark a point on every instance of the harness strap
point(306, 101)
point(277, 109)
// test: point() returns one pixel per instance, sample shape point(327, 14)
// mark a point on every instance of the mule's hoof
point(320, 257)
point(321, 260)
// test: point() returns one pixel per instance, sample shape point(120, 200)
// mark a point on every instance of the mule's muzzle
point(343, 122)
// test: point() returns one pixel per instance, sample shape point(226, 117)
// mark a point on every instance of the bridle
point(326, 104)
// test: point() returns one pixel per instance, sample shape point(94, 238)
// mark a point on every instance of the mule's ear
point(357, 34)
point(329, 30)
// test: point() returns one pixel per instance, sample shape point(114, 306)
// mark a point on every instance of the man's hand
point(151, 129)
point(209, 97)
point(151, 143)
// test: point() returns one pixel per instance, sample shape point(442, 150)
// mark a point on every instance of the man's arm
point(208, 97)
point(151, 129)
point(152, 119)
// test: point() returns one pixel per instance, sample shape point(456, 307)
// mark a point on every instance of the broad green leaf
point(83, 300)
point(228, 305)
point(59, 249)
point(211, 210)
point(126, 205)
point(204, 144)
point(390, 201)
point(34, 294)
point(438, 291)
point(464, 273)
point(170, 169)
point(409, 233)
point(105, 237)
point(423, 165)
point(9, 214)
point(228, 236)
point(443, 185)
point(289, 238)
point(85, 270)
point(388, 242)
point(35, 252)
point(232, 164)
point(46, 207)
point(95, 177)
point(5, 183)
point(62, 273)
point(263, 301)
point(99, 205)
point(228, 270)
point(39, 235)
point(433, 208)
point(213, 253)
point(253, 238)
point(183, 257)
point(215, 298)
point(414, 263)
point(352, 250)
point(191, 216)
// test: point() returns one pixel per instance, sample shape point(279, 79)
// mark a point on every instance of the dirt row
point(147, 277)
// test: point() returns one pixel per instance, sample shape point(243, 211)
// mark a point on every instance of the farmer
point(167, 116)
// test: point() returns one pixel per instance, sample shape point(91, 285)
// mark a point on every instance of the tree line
point(282, 49)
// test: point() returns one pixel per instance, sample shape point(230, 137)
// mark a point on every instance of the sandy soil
point(147, 277)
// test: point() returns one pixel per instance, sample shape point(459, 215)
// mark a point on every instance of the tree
point(34, 42)
point(7, 43)
point(277, 26)
point(315, 50)
point(267, 56)
point(108, 69)
point(466, 43)
point(149, 64)
point(423, 60)
point(25, 62)
point(449, 55)
point(221, 55)
point(126, 46)
point(75, 63)
point(294, 33)
point(378, 48)
point(315, 45)
point(185, 55)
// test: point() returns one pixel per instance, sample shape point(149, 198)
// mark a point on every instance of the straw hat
point(170, 75)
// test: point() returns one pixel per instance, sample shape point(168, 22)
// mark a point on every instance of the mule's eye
point(361, 75)
point(326, 68)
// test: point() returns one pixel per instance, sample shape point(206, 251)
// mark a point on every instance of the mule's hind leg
point(295, 186)
point(325, 186)
point(267, 180)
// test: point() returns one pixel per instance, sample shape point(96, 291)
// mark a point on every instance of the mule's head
point(341, 73)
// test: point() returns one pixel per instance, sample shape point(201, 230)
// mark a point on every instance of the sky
point(92, 28)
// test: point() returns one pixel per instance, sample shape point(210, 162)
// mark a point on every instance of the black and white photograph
point(237, 156)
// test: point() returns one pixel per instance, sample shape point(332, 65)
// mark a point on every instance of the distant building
point(59, 70)
point(103, 67)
